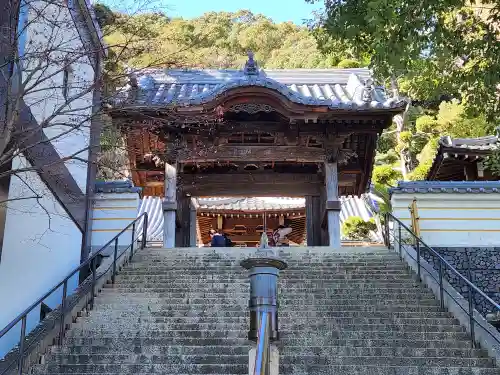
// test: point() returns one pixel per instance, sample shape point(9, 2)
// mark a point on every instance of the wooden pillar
point(169, 206)
point(333, 203)
point(323, 218)
point(193, 237)
point(220, 222)
point(313, 220)
point(470, 171)
point(183, 233)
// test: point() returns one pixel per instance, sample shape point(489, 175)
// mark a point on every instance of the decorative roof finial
point(251, 66)
point(368, 91)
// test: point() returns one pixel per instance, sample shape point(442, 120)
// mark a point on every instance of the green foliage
point(348, 63)
point(389, 158)
point(355, 228)
point(492, 163)
point(382, 192)
point(219, 40)
point(427, 124)
point(386, 142)
point(433, 47)
point(385, 175)
point(454, 120)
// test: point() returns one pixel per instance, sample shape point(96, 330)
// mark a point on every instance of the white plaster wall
point(41, 246)
point(453, 219)
point(41, 243)
point(111, 213)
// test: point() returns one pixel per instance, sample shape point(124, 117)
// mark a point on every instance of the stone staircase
point(356, 311)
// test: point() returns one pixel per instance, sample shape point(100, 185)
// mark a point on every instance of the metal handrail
point(262, 352)
point(442, 265)
point(64, 283)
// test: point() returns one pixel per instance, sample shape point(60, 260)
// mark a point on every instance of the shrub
point(386, 175)
point(355, 228)
point(427, 124)
point(348, 63)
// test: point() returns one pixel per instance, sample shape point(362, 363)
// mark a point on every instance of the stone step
point(221, 278)
point(241, 273)
point(168, 368)
point(128, 314)
point(175, 368)
point(126, 343)
point(385, 370)
point(225, 310)
point(440, 333)
point(245, 320)
point(110, 299)
point(285, 326)
point(244, 286)
point(289, 359)
point(283, 296)
point(318, 267)
point(396, 351)
point(132, 283)
point(244, 291)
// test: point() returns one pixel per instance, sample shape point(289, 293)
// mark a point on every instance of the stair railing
point(82, 290)
point(399, 237)
point(262, 351)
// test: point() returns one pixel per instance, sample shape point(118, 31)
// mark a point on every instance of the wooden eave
point(451, 155)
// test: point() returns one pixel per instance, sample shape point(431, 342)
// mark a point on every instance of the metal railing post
point(63, 312)
point(115, 257)
point(400, 241)
point(132, 244)
point(144, 230)
point(441, 287)
point(262, 352)
point(471, 317)
point(92, 296)
point(20, 361)
point(418, 259)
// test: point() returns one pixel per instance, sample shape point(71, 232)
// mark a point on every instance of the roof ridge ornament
point(251, 67)
point(368, 90)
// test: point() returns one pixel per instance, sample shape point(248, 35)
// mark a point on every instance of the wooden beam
point(260, 184)
point(246, 190)
point(254, 153)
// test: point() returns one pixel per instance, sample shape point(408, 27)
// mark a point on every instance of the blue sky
point(279, 10)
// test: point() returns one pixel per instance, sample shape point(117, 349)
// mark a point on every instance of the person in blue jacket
point(217, 239)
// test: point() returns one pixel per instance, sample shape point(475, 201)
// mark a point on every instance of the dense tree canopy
point(434, 48)
point(220, 40)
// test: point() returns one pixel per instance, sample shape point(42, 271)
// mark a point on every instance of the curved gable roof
point(332, 88)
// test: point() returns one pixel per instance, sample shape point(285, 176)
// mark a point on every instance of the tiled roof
point(490, 142)
point(124, 186)
point(464, 187)
point(251, 204)
point(334, 88)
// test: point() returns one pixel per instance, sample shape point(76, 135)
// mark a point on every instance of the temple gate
point(250, 132)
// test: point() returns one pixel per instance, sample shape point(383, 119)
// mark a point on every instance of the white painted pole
point(169, 206)
point(332, 194)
